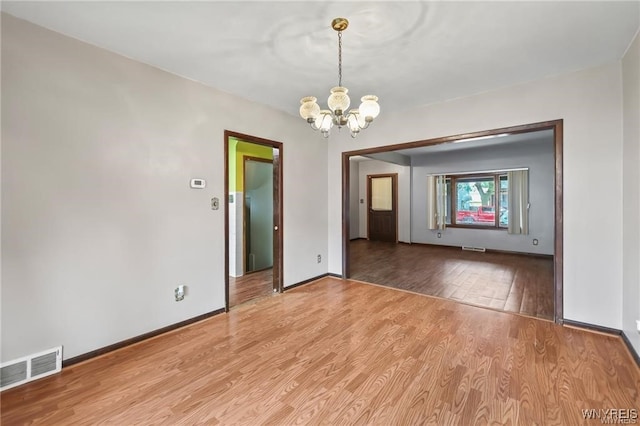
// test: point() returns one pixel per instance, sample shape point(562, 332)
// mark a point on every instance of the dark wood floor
point(250, 286)
point(343, 352)
point(509, 282)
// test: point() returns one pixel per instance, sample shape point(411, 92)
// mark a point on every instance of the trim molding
point(307, 281)
point(607, 330)
point(519, 253)
point(632, 350)
point(84, 357)
point(593, 327)
point(101, 351)
point(278, 203)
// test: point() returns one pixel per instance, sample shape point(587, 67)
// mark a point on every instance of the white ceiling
point(407, 53)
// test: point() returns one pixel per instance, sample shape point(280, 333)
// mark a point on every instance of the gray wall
point(536, 155)
point(99, 224)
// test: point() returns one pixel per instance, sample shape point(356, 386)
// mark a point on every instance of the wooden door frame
point(278, 204)
point(394, 197)
point(555, 125)
point(244, 195)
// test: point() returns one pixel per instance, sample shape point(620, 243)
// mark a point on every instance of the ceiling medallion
point(338, 102)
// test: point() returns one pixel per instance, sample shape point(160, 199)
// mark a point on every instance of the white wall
point(236, 237)
point(631, 191)
point(373, 167)
point(536, 155)
point(590, 102)
point(98, 221)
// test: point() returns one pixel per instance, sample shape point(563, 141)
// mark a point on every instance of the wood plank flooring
point(342, 352)
point(250, 286)
point(504, 281)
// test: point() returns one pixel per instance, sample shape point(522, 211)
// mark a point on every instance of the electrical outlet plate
point(638, 325)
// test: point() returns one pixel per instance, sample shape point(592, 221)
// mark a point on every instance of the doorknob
point(275, 228)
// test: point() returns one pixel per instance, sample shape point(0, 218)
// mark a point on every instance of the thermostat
point(198, 183)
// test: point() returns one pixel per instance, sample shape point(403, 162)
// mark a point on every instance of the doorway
point(382, 202)
point(253, 218)
point(555, 127)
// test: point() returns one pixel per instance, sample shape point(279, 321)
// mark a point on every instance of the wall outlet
point(638, 325)
point(319, 258)
point(179, 293)
point(439, 234)
point(535, 241)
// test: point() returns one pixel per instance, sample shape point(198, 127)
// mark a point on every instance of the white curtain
point(436, 202)
point(518, 194)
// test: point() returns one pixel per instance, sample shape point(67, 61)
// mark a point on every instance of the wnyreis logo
point(612, 415)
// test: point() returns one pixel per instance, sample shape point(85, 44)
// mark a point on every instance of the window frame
point(453, 200)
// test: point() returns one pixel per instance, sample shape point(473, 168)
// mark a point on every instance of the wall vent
point(469, 248)
point(31, 367)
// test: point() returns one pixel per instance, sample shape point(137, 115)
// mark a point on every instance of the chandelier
point(338, 102)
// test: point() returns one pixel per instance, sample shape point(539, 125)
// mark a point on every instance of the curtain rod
point(479, 172)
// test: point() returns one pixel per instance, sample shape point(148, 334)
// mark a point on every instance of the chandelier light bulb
point(323, 121)
point(353, 122)
point(309, 108)
point(362, 122)
point(369, 107)
point(339, 102)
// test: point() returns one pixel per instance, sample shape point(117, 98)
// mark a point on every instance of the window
point(478, 201)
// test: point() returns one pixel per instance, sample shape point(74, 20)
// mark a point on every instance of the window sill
point(485, 227)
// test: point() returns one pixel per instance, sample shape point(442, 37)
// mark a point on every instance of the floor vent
point(469, 248)
point(32, 367)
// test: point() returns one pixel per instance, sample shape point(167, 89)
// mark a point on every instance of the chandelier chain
point(340, 58)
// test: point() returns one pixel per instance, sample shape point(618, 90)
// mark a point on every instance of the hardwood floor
point(250, 286)
point(504, 281)
point(342, 352)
